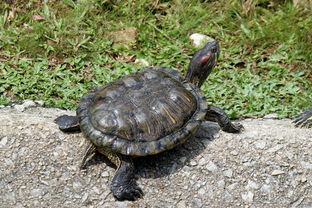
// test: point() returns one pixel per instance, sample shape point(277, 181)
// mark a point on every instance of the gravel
point(268, 165)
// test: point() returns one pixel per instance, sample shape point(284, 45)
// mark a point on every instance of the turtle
point(304, 119)
point(150, 111)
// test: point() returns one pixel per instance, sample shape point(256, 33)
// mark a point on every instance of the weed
point(59, 50)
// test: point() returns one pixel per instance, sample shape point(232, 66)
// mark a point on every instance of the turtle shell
point(143, 113)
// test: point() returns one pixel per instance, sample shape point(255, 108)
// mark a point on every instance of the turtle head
point(202, 63)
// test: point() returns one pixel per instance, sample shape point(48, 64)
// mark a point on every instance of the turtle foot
point(233, 128)
point(124, 185)
point(127, 191)
point(304, 119)
point(218, 115)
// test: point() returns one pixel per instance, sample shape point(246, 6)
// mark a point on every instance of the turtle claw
point(303, 123)
point(130, 191)
point(304, 119)
point(235, 128)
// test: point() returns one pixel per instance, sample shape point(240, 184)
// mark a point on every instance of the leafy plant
point(59, 50)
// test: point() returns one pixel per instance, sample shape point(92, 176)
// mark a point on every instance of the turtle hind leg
point(218, 115)
point(124, 185)
point(304, 119)
point(88, 153)
point(68, 123)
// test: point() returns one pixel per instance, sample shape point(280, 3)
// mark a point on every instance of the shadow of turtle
point(169, 162)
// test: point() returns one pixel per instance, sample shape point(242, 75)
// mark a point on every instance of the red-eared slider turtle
point(145, 113)
point(304, 119)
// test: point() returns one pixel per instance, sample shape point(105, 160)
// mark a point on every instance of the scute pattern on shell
point(143, 113)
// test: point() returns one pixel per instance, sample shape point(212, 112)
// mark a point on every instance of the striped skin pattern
point(143, 113)
point(304, 119)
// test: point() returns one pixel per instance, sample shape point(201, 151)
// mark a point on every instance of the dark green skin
point(304, 119)
point(145, 113)
point(68, 123)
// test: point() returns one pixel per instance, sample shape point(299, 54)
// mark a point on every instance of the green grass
point(265, 66)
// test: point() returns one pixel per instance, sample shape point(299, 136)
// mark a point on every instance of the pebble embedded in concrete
point(277, 172)
point(211, 166)
point(248, 196)
point(228, 173)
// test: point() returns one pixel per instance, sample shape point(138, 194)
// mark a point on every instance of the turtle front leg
point(123, 186)
point(218, 115)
